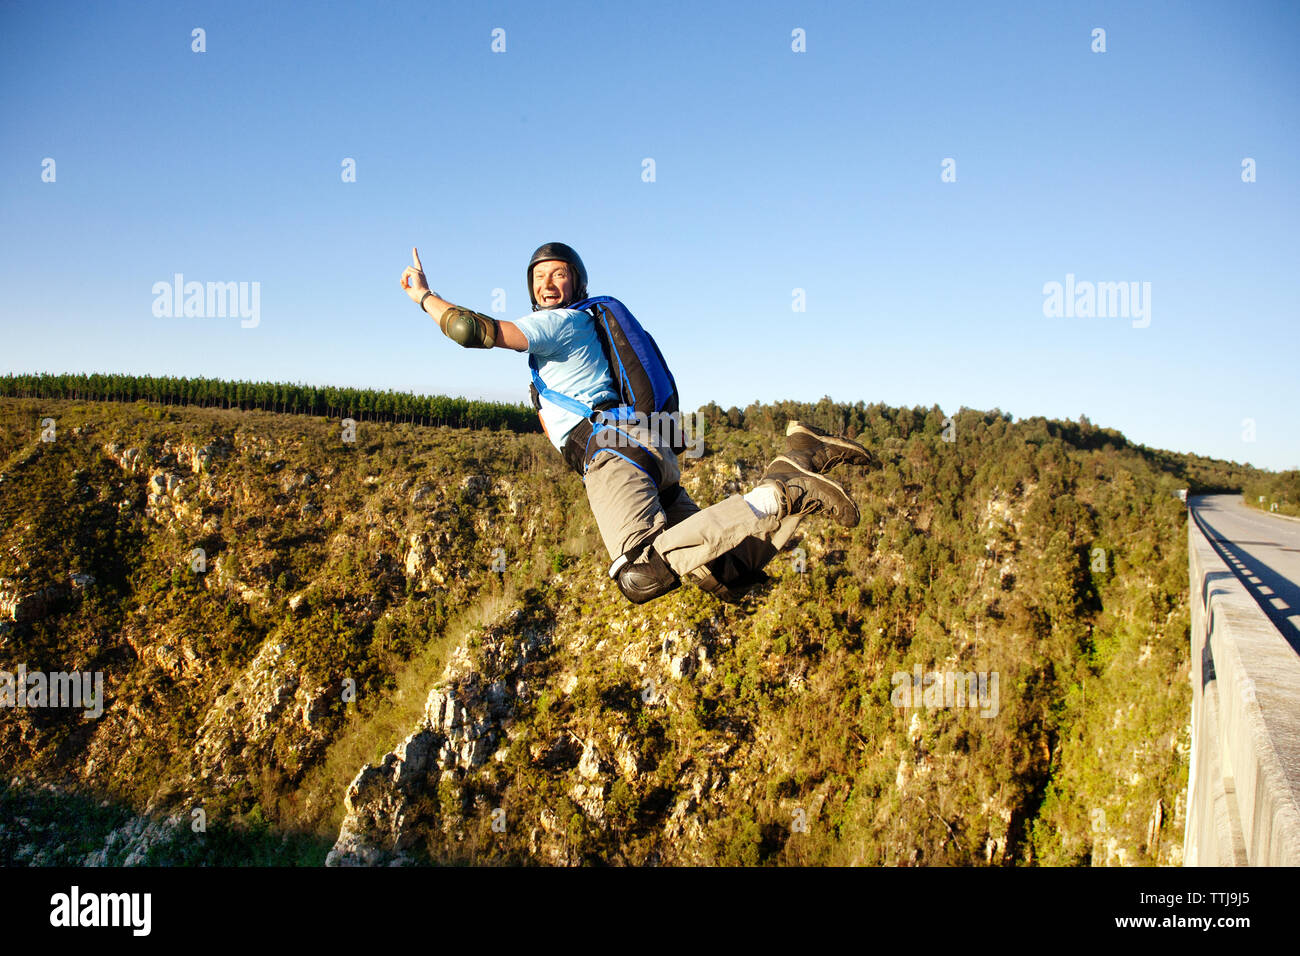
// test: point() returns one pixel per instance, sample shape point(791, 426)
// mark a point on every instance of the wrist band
point(427, 293)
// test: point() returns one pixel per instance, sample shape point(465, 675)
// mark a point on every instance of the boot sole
point(852, 447)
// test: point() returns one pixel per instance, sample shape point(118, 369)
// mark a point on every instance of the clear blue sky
point(775, 170)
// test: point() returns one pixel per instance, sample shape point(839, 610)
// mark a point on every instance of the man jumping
point(654, 533)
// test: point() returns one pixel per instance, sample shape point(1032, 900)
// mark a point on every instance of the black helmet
point(558, 252)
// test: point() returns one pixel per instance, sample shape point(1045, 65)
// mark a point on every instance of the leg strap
point(589, 439)
point(729, 576)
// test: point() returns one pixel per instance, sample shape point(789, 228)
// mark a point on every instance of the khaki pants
point(625, 502)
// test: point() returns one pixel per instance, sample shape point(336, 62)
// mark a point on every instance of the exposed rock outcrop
point(466, 715)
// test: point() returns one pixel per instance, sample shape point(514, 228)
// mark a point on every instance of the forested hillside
point(1274, 492)
point(406, 647)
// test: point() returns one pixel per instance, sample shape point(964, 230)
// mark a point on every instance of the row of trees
point(363, 404)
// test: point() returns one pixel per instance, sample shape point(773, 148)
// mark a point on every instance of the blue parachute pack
point(646, 389)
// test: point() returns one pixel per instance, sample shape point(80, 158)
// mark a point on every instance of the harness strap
point(580, 450)
point(559, 398)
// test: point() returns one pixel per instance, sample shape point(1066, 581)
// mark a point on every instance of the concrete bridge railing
point(1243, 792)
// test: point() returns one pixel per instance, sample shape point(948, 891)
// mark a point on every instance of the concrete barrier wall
point(1243, 793)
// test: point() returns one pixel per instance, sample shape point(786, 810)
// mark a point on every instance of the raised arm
point(472, 330)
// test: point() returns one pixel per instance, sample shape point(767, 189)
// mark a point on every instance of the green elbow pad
point(469, 329)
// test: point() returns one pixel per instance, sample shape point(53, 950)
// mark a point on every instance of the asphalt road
point(1263, 550)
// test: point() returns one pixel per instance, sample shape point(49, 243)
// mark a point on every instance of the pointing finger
point(416, 256)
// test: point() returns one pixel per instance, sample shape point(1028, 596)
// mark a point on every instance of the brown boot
point(804, 492)
point(815, 450)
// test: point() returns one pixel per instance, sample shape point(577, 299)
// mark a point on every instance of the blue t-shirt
point(569, 360)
